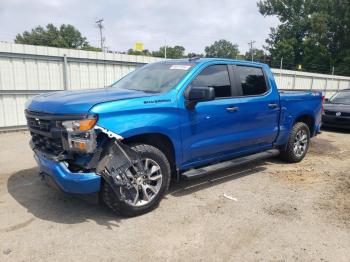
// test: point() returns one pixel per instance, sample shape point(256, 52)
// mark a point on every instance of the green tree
point(145, 52)
point(66, 36)
point(194, 55)
point(287, 38)
point(314, 33)
point(171, 52)
point(258, 55)
point(222, 49)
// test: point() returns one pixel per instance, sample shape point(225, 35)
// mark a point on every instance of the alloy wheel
point(300, 143)
point(145, 186)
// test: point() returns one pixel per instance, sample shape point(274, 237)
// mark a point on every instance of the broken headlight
point(79, 125)
point(81, 135)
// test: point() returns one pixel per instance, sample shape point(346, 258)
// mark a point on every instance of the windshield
point(342, 97)
point(154, 78)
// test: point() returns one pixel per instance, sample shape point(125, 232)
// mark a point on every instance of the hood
point(337, 107)
point(79, 102)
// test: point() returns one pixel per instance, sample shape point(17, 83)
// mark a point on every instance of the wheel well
point(160, 141)
point(308, 120)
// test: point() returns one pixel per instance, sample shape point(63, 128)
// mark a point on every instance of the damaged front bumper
point(67, 181)
point(67, 153)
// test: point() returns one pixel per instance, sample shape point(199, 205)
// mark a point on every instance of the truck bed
point(285, 94)
point(295, 105)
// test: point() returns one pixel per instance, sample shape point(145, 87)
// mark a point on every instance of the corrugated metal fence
point(27, 70)
point(296, 80)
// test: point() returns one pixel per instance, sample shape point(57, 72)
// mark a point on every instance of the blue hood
point(79, 102)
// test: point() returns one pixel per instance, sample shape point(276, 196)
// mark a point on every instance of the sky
point(193, 24)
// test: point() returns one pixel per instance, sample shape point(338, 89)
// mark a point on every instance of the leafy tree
point(66, 36)
point(171, 52)
point(145, 52)
point(92, 48)
point(194, 55)
point(314, 33)
point(222, 49)
point(258, 55)
point(286, 40)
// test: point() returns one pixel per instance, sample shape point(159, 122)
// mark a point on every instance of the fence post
point(294, 80)
point(65, 72)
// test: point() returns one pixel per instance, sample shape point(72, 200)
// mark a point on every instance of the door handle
point(272, 105)
point(232, 109)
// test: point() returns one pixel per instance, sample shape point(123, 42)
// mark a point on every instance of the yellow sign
point(138, 46)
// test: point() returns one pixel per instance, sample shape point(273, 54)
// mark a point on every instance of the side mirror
point(326, 100)
point(198, 94)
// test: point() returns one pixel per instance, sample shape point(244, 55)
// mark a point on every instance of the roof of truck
point(205, 60)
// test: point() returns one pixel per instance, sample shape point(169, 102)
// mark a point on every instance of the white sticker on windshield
point(180, 67)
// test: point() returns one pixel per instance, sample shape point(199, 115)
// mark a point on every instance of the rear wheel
point(298, 143)
point(147, 190)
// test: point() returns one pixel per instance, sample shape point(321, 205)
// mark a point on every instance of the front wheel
point(147, 190)
point(298, 143)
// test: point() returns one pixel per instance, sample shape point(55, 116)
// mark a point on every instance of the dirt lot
point(283, 212)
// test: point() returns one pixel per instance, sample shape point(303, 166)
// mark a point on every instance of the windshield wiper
point(145, 91)
point(149, 91)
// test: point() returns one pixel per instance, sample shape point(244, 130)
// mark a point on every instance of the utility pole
point(251, 49)
point(165, 49)
point(100, 26)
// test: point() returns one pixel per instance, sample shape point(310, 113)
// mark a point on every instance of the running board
point(195, 173)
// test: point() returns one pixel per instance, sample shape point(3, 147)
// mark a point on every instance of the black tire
point(287, 152)
point(115, 201)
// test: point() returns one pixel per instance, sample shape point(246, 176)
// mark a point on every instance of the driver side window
point(215, 76)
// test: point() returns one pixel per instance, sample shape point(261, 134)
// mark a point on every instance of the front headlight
point(79, 125)
point(80, 134)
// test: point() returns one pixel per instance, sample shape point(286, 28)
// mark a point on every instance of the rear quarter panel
point(295, 105)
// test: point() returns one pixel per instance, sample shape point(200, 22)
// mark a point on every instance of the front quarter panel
point(131, 117)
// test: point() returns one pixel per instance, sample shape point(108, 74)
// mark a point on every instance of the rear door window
point(252, 80)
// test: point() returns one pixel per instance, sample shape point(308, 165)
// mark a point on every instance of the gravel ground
point(283, 212)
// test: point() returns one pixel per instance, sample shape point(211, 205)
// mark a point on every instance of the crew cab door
point(259, 106)
point(209, 129)
point(236, 121)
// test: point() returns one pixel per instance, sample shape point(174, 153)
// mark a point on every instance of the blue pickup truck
point(170, 119)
